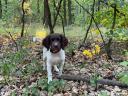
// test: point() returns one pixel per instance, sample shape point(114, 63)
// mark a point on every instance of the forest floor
point(27, 78)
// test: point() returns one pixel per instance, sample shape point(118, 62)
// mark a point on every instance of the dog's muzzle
point(55, 47)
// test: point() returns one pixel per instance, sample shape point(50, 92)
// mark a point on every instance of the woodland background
point(96, 57)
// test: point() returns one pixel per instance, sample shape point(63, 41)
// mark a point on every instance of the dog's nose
point(55, 44)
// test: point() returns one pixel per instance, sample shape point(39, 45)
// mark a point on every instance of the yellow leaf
point(104, 21)
point(97, 32)
point(41, 34)
point(26, 5)
point(87, 53)
point(97, 48)
point(92, 30)
point(93, 52)
point(99, 40)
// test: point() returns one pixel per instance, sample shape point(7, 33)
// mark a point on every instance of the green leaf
point(124, 63)
point(13, 93)
point(103, 93)
point(34, 91)
point(124, 78)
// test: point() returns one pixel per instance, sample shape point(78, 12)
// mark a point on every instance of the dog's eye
point(52, 39)
point(57, 39)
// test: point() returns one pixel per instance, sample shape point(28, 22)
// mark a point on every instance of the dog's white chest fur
point(56, 58)
point(53, 58)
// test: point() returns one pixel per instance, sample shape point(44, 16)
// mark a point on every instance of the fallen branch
point(87, 79)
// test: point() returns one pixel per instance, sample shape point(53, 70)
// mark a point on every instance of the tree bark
point(23, 18)
point(6, 2)
point(92, 15)
point(38, 6)
point(45, 21)
point(57, 13)
point(60, 17)
point(47, 16)
point(98, 5)
point(108, 45)
point(0, 9)
point(65, 17)
point(54, 11)
point(69, 12)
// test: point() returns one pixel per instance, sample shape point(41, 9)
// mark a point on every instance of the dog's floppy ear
point(64, 41)
point(46, 42)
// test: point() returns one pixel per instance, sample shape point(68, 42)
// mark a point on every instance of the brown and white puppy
point(53, 53)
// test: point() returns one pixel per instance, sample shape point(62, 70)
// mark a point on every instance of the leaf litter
point(76, 64)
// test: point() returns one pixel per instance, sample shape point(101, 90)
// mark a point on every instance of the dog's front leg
point(61, 67)
point(44, 58)
point(49, 72)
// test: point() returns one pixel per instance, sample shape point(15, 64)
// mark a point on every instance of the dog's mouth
point(55, 50)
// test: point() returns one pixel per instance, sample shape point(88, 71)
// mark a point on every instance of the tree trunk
point(54, 11)
point(47, 16)
point(69, 12)
point(6, 2)
point(0, 9)
point(65, 17)
point(38, 6)
point(57, 12)
point(98, 5)
point(23, 18)
point(108, 45)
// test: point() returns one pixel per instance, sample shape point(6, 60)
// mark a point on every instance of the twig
point(13, 40)
point(112, 7)
point(93, 20)
point(90, 22)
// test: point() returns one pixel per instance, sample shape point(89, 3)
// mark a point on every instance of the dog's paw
point(49, 79)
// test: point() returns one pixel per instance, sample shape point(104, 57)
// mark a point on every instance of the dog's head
point(55, 42)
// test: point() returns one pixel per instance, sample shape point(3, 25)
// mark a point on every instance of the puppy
point(54, 54)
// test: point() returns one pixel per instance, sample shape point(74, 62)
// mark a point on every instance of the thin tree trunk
point(0, 9)
point(65, 17)
point(57, 13)
point(54, 11)
point(69, 12)
point(98, 5)
point(6, 2)
point(38, 6)
point(93, 7)
point(23, 17)
point(61, 18)
point(47, 16)
point(108, 45)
